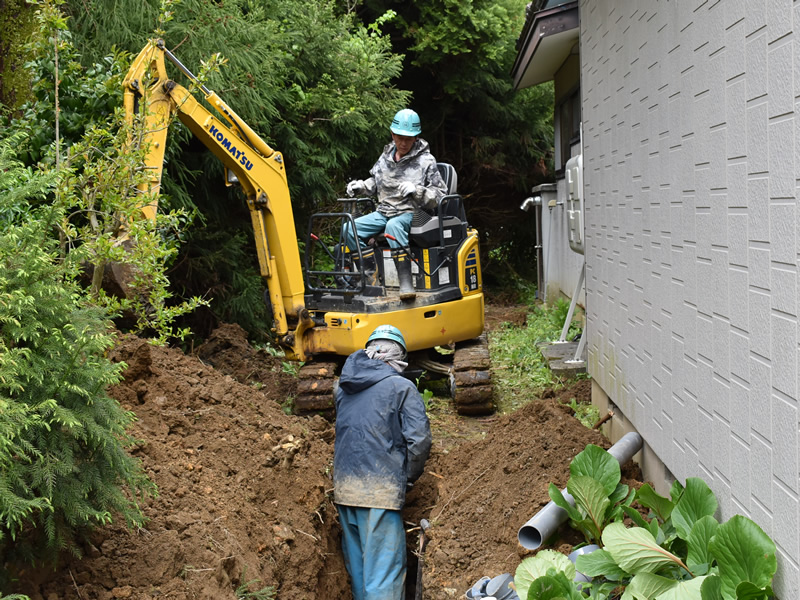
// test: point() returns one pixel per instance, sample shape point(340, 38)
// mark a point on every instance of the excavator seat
point(447, 224)
point(448, 173)
point(434, 239)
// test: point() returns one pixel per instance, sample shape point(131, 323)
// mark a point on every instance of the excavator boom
point(259, 169)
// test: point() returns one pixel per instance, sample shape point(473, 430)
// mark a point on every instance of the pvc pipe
point(544, 523)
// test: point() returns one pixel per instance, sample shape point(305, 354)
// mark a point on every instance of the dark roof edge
point(524, 41)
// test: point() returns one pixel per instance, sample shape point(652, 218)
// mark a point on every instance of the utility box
point(574, 181)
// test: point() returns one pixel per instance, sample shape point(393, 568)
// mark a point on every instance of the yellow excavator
point(322, 319)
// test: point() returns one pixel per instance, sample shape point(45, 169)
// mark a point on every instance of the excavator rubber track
point(315, 389)
point(470, 378)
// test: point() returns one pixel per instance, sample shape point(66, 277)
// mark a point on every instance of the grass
point(521, 373)
point(587, 414)
point(243, 591)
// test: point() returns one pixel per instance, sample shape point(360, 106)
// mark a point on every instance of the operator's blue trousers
point(374, 544)
point(374, 223)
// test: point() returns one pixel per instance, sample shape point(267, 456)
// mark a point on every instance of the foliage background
point(319, 80)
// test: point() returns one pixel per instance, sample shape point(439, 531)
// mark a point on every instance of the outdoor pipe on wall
point(545, 522)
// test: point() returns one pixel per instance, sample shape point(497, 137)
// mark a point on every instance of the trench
point(333, 581)
point(419, 502)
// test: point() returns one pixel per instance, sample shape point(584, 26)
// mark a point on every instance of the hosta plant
point(594, 485)
point(680, 551)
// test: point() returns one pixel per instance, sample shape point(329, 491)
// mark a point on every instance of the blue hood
point(360, 372)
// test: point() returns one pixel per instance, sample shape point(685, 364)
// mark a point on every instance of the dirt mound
point(244, 490)
point(487, 489)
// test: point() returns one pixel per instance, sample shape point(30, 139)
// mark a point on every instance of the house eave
point(546, 41)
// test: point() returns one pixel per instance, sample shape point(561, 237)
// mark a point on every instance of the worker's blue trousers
point(374, 223)
point(374, 544)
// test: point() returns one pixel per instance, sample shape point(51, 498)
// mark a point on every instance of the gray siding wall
point(691, 157)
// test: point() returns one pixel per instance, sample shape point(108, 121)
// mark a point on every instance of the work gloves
point(356, 188)
point(406, 188)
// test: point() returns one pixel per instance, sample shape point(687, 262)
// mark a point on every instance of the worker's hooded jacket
point(418, 167)
point(382, 435)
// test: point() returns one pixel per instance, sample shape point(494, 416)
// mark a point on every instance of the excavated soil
point(245, 490)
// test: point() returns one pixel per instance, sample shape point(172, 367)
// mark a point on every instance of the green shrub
point(63, 462)
point(97, 159)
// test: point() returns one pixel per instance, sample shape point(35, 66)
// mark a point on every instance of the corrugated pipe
point(544, 523)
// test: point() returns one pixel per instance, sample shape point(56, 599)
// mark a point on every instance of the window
point(569, 126)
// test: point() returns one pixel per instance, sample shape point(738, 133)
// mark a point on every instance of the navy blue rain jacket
point(382, 435)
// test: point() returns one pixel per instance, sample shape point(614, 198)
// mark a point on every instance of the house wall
point(562, 265)
point(691, 163)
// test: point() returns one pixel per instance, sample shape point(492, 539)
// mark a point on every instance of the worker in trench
point(405, 177)
point(383, 439)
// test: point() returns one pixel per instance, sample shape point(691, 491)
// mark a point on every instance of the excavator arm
point(260, 171)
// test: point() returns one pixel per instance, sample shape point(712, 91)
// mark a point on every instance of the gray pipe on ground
point(544, 523)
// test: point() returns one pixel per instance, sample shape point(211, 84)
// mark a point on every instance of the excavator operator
point(404, 177)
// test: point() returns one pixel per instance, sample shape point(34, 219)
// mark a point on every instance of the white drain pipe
point(545, 523)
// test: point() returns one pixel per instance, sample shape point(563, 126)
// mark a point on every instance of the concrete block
point(655, 471)
point(560, 358)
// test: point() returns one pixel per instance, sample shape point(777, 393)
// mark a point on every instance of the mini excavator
point(323, 309)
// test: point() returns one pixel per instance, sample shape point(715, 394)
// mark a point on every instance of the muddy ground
point(245, 490)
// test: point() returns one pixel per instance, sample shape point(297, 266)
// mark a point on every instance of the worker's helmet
point(388, 332)
point(406, 122)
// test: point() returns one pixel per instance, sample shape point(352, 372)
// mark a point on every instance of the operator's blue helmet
point(406, 122)
point(388, 332)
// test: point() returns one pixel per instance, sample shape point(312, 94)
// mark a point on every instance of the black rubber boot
point(403, 264)
point(368, 267)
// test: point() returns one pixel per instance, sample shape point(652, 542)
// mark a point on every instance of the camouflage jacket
point(418, 167)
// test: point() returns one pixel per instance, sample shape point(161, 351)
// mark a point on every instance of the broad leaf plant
point(679, 551)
